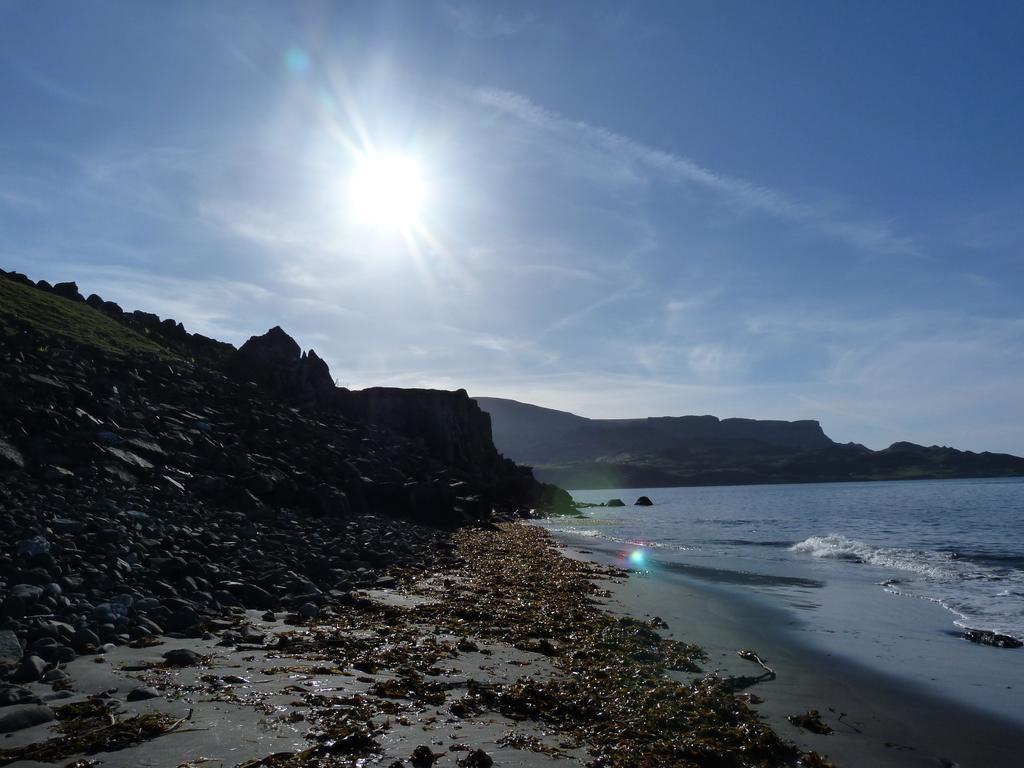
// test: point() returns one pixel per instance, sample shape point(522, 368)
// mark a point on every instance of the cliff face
point(804, 434)
point(541, 436)
point(449, 424)
point(440, 463)
point(452, 427)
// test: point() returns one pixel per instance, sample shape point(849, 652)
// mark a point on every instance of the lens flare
point(638, 558)
point(297, 60)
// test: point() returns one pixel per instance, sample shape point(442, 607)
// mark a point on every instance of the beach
point(508, 657)
point(518, 652)
point(875, 719)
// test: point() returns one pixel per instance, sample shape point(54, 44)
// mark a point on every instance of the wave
point(835, 546)
point(982, 597)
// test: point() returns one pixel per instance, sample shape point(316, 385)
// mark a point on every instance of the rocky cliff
point(153, 480)
point(445, 434)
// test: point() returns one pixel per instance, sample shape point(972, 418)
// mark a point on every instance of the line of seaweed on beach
point(614, 694)
point(607, 687)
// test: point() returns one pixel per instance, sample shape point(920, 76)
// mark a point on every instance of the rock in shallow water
point(987, 637)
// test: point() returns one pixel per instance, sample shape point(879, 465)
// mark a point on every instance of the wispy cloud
point(14, 198)
point(479, 22)
point(870, 235)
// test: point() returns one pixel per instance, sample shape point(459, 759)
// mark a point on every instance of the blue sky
point(774, 210)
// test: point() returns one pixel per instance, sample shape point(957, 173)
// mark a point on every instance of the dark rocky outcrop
point(643, 501)
point(278, 365)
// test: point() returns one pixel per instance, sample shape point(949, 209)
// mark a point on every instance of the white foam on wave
point(976, 594)
point(835, 546)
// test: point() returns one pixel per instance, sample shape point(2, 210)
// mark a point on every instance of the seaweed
point(811, 721)
point(89, 728)
point(605, 684)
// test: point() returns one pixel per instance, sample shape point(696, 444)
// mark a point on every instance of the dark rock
point(85, 639)
point(68, 291)
point(21, 716)
point(10, 647)
point(643, 501)
point(29, 671)
point(182, 657)
point(15, 694)
point(987, 637)
point(142, 693)
point(477, 759)
point(10, 457)
point(182, 621)
point(54, 675)
point(423, 757)
point(615, 503)
point(332, 502)
point(251, 595)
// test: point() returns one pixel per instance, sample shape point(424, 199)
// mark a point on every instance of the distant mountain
point(576, 452)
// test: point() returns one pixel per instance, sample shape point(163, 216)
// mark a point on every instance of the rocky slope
point(576, 452)
point(152, 480)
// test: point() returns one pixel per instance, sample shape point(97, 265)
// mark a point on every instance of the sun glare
point(387, 191)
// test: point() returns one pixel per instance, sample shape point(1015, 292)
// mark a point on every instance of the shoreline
point(876, 719)
point(505, 657)
point(520, 650)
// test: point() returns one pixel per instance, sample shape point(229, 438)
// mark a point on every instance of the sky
point(771, 210)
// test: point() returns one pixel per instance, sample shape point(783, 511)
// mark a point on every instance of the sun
point(387, 191)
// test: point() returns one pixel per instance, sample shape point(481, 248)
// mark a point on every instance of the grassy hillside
point(53, 316)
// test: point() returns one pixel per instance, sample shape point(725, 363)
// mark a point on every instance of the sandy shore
point(517, 655)
point(875, 719)
point(508, 658)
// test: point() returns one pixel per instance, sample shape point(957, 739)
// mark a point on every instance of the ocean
point(851, 566)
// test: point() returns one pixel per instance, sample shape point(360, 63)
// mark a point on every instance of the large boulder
point(20, 716)
point(68, 291)
point(10, 647)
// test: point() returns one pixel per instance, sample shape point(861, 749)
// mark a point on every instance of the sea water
point(853, 565)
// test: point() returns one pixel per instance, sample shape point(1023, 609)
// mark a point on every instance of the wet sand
point(877, 720)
